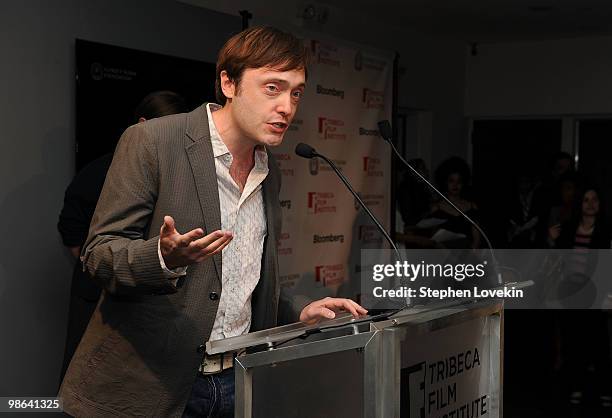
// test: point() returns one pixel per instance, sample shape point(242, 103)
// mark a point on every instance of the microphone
point(384, 127)
point(306, 151)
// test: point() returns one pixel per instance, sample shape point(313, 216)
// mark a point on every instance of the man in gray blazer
point(166, 293)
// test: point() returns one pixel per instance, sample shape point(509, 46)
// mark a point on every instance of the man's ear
point(227, 85)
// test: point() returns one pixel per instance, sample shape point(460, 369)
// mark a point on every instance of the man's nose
point(284, 105)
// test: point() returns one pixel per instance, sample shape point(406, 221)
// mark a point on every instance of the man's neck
point(241, 149)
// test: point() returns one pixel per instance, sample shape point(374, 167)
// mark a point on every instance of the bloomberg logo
point(285, 204)
point(314, 166)
point(330, 91)
point(321, 202)
point(331, 129)
point(368, 132)
point(320, 239)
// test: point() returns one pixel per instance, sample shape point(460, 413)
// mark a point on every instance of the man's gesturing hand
point(327, 308)
point(180, 250)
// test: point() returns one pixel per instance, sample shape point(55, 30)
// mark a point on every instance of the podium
point(436, 361)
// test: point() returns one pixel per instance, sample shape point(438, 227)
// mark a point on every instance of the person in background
point(453, 175)
point(548, 194)
point(587, 227)
point(522, 219)
point(564, 207)
point(584, 341)
point(80, 202)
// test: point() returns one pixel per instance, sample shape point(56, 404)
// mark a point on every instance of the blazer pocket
point(99, 355)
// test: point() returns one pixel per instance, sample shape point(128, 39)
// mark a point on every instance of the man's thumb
point(168, 226)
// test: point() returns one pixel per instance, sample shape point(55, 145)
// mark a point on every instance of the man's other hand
point(180, 250)
point(327, 308)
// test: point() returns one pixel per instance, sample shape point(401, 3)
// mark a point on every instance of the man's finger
point(167, 227)
point(190, 236)
point(326, 313)
point(213, 249)
point(360, 309)
point(204, 242)
point(225, 244)
point(216, 245)
point(347, 306)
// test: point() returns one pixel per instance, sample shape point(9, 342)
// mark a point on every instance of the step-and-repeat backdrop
point(348, 91)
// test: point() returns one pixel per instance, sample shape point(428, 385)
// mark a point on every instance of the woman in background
point(584, 341)
point(453, 176)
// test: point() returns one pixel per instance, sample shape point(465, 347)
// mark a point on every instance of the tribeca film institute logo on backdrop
point(332, 129)
point(330, 274)
point(283, 242)
point(321, 202)
point(372, 99)
point(325, 53)
point(372, 167)
point(283, 161)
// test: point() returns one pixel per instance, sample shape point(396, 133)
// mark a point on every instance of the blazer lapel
point(202, 161)
point(266, 296)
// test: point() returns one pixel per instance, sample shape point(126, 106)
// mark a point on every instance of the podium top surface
point(269, 337)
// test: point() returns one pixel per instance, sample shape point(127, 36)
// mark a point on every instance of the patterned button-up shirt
point(244, 215)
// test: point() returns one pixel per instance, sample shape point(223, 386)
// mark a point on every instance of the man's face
point(265, 103)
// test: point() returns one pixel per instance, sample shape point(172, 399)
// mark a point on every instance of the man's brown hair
point(259, 47)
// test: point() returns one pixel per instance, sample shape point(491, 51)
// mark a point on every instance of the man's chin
point(272, 141)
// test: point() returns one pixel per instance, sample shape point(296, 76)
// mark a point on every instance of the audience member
point(522, 218)
point(453, 176)
point(584, 340)
point(548, 192)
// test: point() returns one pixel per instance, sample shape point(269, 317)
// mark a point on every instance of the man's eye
point(272, 88)
point(298, 94)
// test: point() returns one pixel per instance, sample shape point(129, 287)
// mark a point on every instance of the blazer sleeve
point(116, 253)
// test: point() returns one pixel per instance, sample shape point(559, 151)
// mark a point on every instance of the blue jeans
point(212, 396)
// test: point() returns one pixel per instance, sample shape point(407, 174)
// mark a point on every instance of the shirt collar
point(219, 147)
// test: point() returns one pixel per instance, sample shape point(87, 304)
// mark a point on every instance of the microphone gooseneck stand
point(387, 134)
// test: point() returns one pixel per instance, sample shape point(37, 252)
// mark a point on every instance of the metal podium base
point(444, 362)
